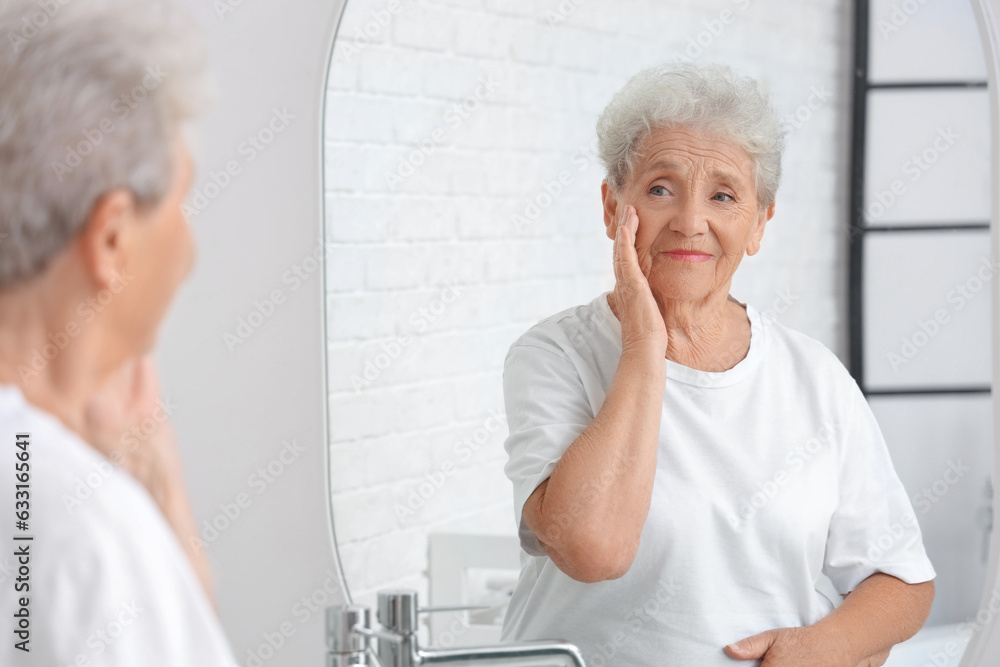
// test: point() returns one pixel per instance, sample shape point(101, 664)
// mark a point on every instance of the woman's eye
point(723, 194)
point(658, 190)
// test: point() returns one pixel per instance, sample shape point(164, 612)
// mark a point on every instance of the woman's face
point(698, 212)
point(162, 254)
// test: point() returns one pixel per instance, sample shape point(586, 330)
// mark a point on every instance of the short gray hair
point(707, 97)
point(92, 94)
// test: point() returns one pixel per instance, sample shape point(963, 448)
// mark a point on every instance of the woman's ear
point(610, 198)
point(105, 240)
point(753, 245)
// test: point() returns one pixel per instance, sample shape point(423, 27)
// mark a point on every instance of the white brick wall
point(450, 222)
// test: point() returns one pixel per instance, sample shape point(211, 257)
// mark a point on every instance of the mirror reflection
point(465, 209)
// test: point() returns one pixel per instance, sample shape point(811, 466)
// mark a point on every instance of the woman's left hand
point(793, 647)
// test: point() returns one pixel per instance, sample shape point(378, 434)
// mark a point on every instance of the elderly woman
point(684, 469)
point(94, 170)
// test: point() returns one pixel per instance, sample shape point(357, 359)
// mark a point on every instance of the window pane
point(927, 309)
point(941, 447)
point(927, 156)
point(923, 40)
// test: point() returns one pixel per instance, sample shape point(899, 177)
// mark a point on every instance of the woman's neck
point(707, 340)
point(711, 334)
point(56, 368)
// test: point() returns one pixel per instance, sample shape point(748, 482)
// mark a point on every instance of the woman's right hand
point(633, 301)
point(129, 398)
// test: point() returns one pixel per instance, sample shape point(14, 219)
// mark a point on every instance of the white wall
point(443, 239)
point(266, 535)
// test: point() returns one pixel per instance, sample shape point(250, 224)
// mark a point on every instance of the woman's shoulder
point(803, 350)
point(72, 473)
point(77, 494)
point(52, 450)
point(567, 331)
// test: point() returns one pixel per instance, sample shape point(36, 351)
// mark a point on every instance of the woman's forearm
point(590, 512)
point(878, 614)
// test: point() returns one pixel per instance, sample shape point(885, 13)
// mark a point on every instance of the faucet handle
point(466, 607)
point(345, 644)
point(379, 634)
point(397, 610)
point(348, 629)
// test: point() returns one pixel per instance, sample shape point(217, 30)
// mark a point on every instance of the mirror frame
point(983, 648)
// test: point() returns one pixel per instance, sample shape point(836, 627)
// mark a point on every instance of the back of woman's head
point(92, 93)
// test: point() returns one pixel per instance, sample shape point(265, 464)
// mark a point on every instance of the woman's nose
point(689, 218)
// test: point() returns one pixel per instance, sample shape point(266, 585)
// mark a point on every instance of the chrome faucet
point(349, 631)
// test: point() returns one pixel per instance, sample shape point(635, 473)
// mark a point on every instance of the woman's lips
point(688, 255)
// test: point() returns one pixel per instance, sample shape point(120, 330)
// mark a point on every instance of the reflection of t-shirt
point(110, 584)
point(768, 474)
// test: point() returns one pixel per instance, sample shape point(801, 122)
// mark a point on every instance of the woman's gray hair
point(92, 94)
point(710, 98)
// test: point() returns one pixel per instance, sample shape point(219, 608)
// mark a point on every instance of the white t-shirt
point(768, 474)
point(109, 582)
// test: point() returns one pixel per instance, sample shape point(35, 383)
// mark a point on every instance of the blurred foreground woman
point(94, 169)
